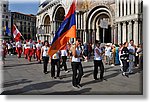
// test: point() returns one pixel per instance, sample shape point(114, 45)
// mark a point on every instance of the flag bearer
point(76, 65)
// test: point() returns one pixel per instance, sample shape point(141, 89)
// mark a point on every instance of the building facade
point(5, 16)
point(123, 20)
point(26, 24)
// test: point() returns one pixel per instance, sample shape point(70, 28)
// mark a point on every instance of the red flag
point(16, 33)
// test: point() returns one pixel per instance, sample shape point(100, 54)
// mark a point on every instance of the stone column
point(140, 6)
point(83, 36)
point(121, 8)
point(136, 6)
point(128, 7)
point(86, 37)
point(90, 36)
point(116, 34)
point(81, 21)
point(140, 33)
point(124, 32)
point(112, 33)
point(119, 33)
point(54, 27)
point(129, 31)
point(117, 8)
point(132, 6)
point(97, 33)
point(78, 20)
point(136, 34)
point(124, 7)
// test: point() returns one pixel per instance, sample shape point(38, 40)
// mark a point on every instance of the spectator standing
point(98, 61)
point(125, 59)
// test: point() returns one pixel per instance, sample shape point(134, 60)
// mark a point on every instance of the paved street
point(23, 77)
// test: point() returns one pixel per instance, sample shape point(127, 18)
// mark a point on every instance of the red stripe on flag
point(71, 10)
point(16, 33)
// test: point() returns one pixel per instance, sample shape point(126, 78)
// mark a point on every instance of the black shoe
point(59, 78)
point(79, 85)
point(96, 79)
point(54, 77)
point(127, 75)
point(101, 79)
point(76, 87)
point(46, 72)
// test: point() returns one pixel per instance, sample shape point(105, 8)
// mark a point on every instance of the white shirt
point(64, 53)
point(139, 49)
point(96, 56)
point(56, 55)
point(45, 51)
point(18, 44)
point(30, 44)
point(9, 46)
point(38, 46)
point(24, 46)
point(108, 51)
point(78, 52)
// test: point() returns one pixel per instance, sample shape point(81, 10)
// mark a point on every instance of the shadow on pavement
point(15, 82)
point(72, 92)
point(15, 65)
point(37, 86)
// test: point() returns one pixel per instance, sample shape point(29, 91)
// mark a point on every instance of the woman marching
point(45, 56)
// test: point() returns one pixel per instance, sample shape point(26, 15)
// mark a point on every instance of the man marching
point(19, 48)
point(26, 49)
point(30, 53)
point(38, 51)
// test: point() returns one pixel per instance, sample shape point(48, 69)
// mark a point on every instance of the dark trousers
point(45, 63)
point(76, 78)
point(53, 63)
point(64, 58)
point(98, 63)
point(125, 65)
point(10, 51)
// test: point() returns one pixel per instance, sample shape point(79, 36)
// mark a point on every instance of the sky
point(27, 7)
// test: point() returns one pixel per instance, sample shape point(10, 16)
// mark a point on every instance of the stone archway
point(93, 29)
point(58, 17)
point(47, 28)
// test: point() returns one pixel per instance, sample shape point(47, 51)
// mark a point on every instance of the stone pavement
point(26, 78)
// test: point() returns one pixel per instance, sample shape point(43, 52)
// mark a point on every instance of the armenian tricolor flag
point(66, 31)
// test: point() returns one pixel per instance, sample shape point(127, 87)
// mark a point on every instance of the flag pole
point(23, 38)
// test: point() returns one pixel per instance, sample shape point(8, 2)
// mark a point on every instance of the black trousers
point(64, 59)
point(45, 63)
point(98, 63)
point(125, 65)
point(10, 51)
point(53, 63)
point(76, 78)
